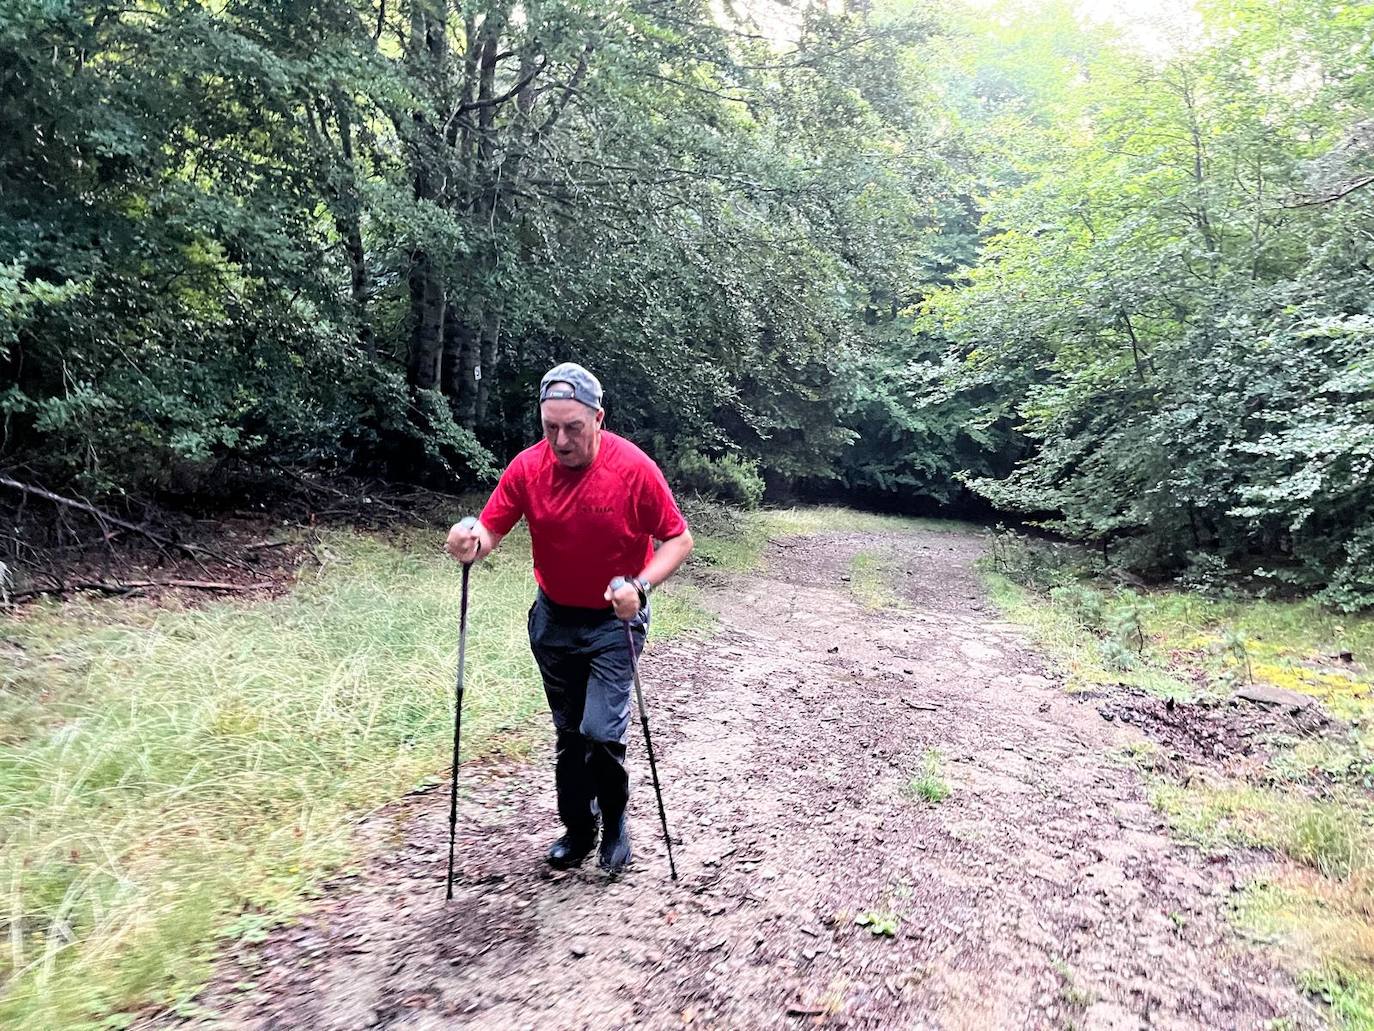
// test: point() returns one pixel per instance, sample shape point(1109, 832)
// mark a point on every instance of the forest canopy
point(908, 253)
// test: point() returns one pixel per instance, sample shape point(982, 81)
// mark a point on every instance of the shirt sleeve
point(507, 502)
point(656, 509)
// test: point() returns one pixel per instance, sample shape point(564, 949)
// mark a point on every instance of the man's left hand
point(624, 599)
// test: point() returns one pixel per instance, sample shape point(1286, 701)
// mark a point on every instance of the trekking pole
point(616, 584)
point(469, 523)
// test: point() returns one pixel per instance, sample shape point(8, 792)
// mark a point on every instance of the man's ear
point(600, 418)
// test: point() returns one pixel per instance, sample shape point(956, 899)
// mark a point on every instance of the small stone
point(578, 950)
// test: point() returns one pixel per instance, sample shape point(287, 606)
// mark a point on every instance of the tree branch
point(102, 517)
point(1349, 188)
point(475, 105)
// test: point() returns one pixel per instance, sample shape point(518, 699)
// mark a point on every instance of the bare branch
point(508, 95)
point(102, 517)
point(1331, 198)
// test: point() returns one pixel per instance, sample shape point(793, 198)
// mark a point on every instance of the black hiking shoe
point(573, 847)
point(615, 852)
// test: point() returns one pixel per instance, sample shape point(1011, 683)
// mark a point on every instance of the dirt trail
point(1043, 893)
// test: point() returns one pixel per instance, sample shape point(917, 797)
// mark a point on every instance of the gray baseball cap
point(570, 381)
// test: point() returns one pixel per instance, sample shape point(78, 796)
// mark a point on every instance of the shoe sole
point(565, 864)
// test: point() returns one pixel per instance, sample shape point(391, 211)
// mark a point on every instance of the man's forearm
point(670, 554)
point(489, 540)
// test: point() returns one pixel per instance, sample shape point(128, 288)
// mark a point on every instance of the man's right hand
point(463, 542)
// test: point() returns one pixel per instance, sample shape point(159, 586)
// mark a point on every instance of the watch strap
point(644, 586)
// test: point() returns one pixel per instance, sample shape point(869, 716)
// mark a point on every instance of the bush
point(728, 478)
point(1041, 566)
point(1352, 585)
point(1087, 606)
point(1207, 573)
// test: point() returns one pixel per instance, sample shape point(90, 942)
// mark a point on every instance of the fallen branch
point(99, 514)
point(355, 498)
point(128, 586)
point(102, 517)
point(1331, 198)
point(919, 707)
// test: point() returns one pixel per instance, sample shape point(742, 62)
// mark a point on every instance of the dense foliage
point(1175, 295)
point(254, 233)
point(883, 248)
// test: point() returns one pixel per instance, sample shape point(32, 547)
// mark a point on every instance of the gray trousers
point(587, 676)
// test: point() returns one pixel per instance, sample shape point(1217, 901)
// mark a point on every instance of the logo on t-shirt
point(596, 509)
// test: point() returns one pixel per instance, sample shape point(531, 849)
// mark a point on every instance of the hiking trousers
point(588, 681)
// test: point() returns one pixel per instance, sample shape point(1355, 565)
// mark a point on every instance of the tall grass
point(167, 772)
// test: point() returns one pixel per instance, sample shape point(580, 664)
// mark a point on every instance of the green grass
point(1349, 995)
point(1329, 934)
point(874, 578)
point(880, 924)
point(170, 773)
point(1180, 644)
point(1334, 836)
point(1078, 646)
point(930, 787)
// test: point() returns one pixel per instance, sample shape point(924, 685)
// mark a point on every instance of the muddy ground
point(1044, 892)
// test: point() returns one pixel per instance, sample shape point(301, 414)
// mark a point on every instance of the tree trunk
point(486, 378)
point(459, 342)
point(464, 396)
point(427, 52)
point(427, 326)
point(350, 228)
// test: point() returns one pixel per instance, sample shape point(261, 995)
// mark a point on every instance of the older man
point(595, 503)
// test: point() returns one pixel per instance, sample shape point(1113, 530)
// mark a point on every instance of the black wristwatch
point(643, 586)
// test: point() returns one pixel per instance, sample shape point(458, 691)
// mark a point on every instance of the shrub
point(727, 478)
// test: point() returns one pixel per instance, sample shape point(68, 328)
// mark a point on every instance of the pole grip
point(467, 523)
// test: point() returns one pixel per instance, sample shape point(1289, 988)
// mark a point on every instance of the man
point(594, 503)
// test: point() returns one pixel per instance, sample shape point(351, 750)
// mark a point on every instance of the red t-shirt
point(590, 525)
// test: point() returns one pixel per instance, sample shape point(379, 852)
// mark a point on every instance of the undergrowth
point(1311, 804)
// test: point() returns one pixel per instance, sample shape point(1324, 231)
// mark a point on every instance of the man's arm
point(670, 554)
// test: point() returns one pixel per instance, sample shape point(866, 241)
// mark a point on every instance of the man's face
point(572, 430)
